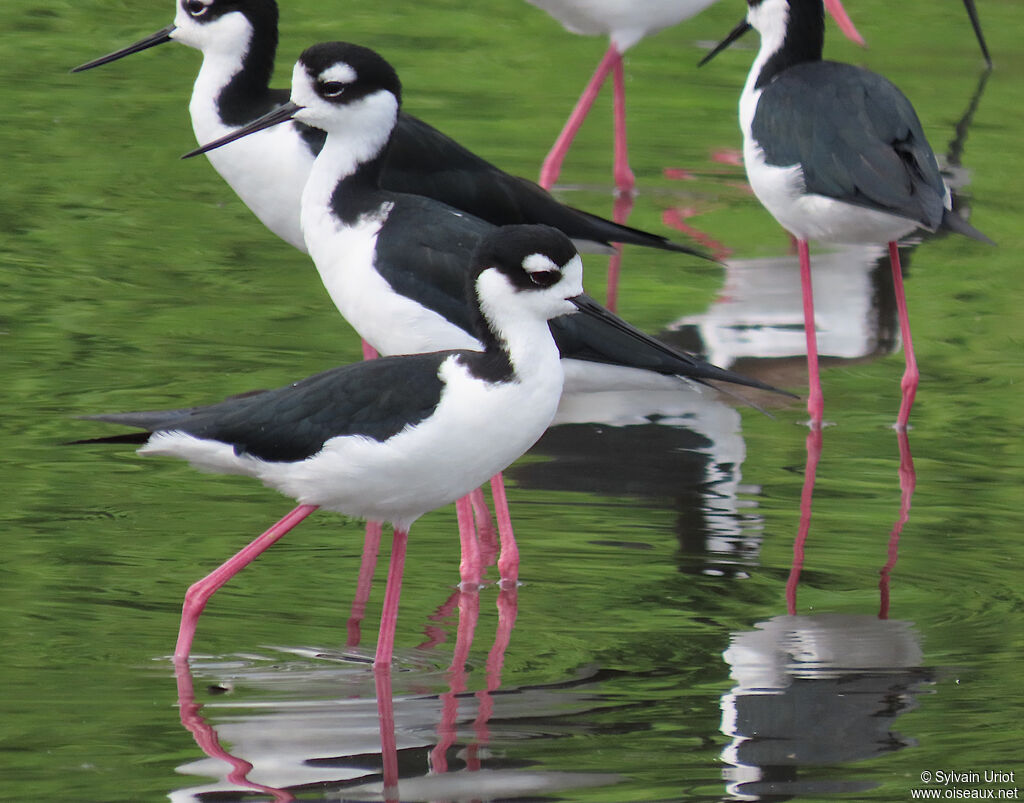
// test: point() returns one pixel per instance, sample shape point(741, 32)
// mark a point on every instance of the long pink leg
point(367, 565)
point(508, 563)
point(200, 592)
point(908, 481)
point(371, 548)
point(388, 743)
point(621, 209)
point(206, 737)
point(624, 178)
point(806, 498)
point(469, 613)
point(392, 594)
point(486, 534)
point(553, 161)
point(470, 565)
point(815, 399)
point(908, 385)
point(835, 8)
point(508, 606)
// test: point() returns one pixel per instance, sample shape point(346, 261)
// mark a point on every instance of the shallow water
point(696, 620)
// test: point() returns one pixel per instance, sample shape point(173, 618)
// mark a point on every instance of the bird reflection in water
point(324, 726)
point(820, 689)
point(756, 324)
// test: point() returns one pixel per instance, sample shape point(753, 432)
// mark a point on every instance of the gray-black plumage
point(424, 247)
point(375, 399)
point(421, 160)
point(856, 137)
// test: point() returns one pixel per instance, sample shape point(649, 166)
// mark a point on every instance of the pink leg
point(469, 613)
point(392, 594)
point(908, 385)
point(470, 566)
point(487, 537)
point(621, 210)
point(835, 8)
point(676, 218)
point(369, 352)
point(806, 497)
point(815, 399)
point(908, 481)
point(200, 592)
point(553, 161)
point(371, 548)
point(508, 563)
point(388, 744)
point(508, 603)
point(624, 178)
point(206, 737)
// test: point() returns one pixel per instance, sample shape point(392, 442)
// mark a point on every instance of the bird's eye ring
point(332, 89)
point(545, 278)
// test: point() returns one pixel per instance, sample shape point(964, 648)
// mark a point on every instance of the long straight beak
point(158, 38)
point(281, 114)
point(734, 34)
point(972, 12)
point(698, 370)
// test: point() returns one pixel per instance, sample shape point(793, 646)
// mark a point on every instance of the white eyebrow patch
point(536, 263)
point(341, 72)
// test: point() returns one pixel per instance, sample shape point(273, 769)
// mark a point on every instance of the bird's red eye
point(545, 278)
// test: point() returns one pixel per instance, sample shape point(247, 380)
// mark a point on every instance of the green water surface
point(132, 280)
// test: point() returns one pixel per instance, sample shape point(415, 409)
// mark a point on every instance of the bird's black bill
point(972, 12)
point(158, 38)
point(734, 34)
point(697, 369)
point(281, 114)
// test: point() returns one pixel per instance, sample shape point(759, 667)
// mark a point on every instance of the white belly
point(476, 431)
point(267, 170)
point(816, 217)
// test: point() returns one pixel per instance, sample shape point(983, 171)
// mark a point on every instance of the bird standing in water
point(394, 438)
point(835, 153)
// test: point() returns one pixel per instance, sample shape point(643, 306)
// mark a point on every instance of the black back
point(856, 137)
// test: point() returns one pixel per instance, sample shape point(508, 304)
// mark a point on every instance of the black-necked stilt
point(835, 153)
point(395, 264)
point(391, 439)
point(624, 24)
point(238, 40)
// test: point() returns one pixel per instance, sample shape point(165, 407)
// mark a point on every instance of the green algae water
point(697, 620)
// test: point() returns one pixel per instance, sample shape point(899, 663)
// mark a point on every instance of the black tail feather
point(951, 221)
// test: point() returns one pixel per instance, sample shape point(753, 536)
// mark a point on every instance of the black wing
point(423, 161)
point(376, 399)
point(424, 251)
point(856, 137)
point(430, 262)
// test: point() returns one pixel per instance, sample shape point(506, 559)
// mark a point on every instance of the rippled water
point(698, 620)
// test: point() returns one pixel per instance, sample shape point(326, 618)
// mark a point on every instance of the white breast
point(267, 170)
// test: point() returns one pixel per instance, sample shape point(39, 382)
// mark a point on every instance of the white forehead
point(341, 72)
point(536, 263)
point(303, 92)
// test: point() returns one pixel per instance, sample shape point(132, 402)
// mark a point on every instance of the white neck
point(360, 133)
point(770, 23)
